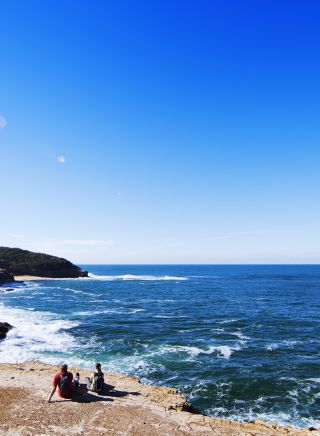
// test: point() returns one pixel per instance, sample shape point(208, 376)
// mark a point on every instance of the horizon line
point(202, 264)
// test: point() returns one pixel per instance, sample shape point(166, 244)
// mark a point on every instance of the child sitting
point(96, 381)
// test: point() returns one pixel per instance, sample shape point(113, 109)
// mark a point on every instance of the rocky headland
point(18, 262)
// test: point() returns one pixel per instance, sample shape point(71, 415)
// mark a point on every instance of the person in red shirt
point(64, 382)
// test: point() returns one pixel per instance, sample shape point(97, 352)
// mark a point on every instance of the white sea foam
point(135, 277)
point(34, 334)
point(282, 344)
point(197, 329)
point(315, 380)
point(281, 417)
point(223, 351)
point(105, 311)
point(227, 321)
point(239, 334)
point(136, 364)
point(19, 286)
point(272, 347)
point(150, 300)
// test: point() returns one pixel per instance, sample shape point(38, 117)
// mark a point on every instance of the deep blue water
point(239, 341)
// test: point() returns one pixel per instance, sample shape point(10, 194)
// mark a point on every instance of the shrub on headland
point(24, 262)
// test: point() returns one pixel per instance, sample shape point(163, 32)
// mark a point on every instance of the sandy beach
point(26, 278)
point(126, 408)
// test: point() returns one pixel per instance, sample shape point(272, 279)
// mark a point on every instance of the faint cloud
point(88, 242)
point(118, 194)
point(17, 236)
point(3, 122)
point(234, 235)
point(61, 159)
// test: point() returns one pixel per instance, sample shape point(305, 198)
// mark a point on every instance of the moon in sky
point(3, 122)
point(61, 159)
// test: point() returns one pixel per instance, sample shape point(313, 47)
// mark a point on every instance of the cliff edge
point(127, 407)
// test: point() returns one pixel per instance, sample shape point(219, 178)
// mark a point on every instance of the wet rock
point(6, 290)
point(4, 328)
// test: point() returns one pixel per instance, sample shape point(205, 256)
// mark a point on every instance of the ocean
point(242, 342)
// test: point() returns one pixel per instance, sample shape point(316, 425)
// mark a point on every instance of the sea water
point(241, 342)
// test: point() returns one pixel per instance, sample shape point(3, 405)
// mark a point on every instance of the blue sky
point(161, 132)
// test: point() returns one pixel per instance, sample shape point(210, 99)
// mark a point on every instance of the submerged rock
point(4, 328)
point(2, 290)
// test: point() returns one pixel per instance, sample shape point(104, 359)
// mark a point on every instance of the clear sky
point(161, 131)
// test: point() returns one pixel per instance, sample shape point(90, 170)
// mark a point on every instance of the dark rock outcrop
point(4, 328)
point(5, 277)
point(24, 262)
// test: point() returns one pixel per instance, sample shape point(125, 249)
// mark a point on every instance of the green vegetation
point(24, 262)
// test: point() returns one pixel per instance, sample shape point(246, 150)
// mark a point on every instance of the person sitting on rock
point(96, 381)
point(64, 382)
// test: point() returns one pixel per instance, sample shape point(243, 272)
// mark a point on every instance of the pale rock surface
point(130, 408)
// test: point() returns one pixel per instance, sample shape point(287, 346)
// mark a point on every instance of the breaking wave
point(135, 277)
point(37, 336)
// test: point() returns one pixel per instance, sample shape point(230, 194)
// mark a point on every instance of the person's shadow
point(82, 395)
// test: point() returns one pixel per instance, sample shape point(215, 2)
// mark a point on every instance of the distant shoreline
point(26, 278)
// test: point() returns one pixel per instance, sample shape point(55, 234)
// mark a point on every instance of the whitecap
point(315, 380)
point(106, 311)
point(223, 351)
point(272, 347)
point(227, 321)
point(187, 330)
point(239, 334)
point(283, 344)
point(125, 277)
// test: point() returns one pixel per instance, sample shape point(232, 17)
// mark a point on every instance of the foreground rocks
point(5, 277)
point(24, 262)
point(4, 328)
point(127, 408)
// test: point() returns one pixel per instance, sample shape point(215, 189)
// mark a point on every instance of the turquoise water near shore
point(240, 341)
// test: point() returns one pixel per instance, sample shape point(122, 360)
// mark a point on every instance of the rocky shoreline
point(5, 277)
point(126, 407)
point(4, 328)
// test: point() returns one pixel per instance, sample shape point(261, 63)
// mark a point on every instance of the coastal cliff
point(23, 262)
point(127, 407)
